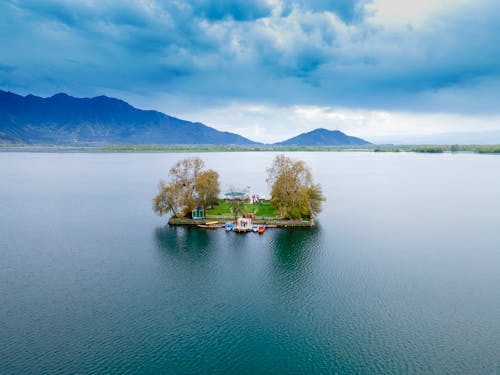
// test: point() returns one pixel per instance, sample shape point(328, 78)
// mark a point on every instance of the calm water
point(401, 276)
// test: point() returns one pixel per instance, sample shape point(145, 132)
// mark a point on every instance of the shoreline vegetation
point(192, 196)
point(480, 149)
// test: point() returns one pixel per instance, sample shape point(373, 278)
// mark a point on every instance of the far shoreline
point(435, 149)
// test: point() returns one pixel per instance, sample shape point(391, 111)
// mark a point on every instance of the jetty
point(243, 224)
point(269, 222)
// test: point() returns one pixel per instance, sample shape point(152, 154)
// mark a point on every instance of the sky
point(385, 70)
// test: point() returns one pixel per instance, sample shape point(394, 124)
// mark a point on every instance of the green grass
point(220, 209)
point(265, 209)
point(223, 208)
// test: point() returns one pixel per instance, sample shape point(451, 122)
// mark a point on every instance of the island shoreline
point(269, 222)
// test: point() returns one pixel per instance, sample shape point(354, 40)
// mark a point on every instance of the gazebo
point(234, 195)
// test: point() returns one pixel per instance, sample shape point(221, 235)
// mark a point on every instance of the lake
point(402, 274)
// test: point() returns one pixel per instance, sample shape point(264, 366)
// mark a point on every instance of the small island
point(192, 197)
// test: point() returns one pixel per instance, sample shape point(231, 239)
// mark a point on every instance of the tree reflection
point(183, 242)
point(294, 247)
point(292, 264)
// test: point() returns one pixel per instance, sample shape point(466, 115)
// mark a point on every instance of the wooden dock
point(268, 222)
point(243, 225)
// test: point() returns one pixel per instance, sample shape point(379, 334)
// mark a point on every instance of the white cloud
point(414, 13)
point(269, 124)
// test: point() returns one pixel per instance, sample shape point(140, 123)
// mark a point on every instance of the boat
point(229, 226)
point(210, 225)
point(255, 228)
point(261, 229)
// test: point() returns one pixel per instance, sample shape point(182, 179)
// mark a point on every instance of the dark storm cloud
point(239, 10)
point(281, 52)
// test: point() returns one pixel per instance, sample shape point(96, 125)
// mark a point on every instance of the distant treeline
point(482, 149)
point(433, 149)
point(225, 148)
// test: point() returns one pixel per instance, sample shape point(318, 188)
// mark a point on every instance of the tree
point(293, 192)
point(183, 176)
point(207, 188)
point(190, 186)
point(167, 200)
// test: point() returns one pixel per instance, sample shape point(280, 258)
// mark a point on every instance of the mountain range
point(63, 120)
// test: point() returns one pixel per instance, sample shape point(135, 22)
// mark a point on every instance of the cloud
point(357, 55)
point(269, 124)
point(347, 10)
point(239, 10)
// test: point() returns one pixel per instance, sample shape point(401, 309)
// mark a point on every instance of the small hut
point(198, 213)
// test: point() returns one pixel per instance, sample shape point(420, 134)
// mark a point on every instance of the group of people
point(255, 199)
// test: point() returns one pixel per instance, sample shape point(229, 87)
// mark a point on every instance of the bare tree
point(207, 188)
point(293, 192)
point(190, 186)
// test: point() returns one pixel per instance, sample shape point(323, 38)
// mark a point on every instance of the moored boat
point(229, 226)
point(255, 228)
point(210, 225)
point(261, 229)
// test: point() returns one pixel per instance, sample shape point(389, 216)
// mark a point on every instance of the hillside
point(63, 119)
point(323, 137)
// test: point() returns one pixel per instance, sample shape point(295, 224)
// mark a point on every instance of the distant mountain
point(63, 119)
point(323, 137)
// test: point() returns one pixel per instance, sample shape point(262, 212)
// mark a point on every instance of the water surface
point(401, 276)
